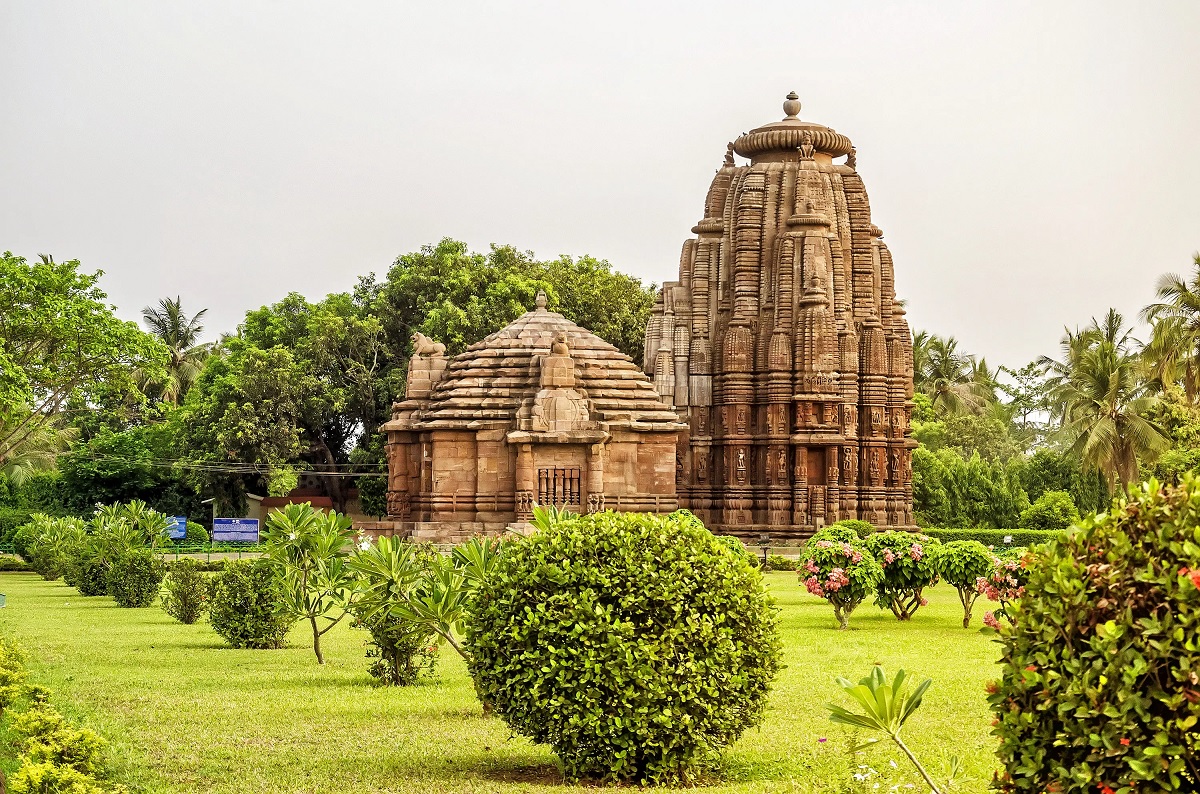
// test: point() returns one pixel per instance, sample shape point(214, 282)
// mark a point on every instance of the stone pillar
point(526, 482)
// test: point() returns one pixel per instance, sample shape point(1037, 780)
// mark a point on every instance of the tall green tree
point(186, 354)
point(59, 341)
point(1174, 349)
point(458, 296)
point(1101, 397)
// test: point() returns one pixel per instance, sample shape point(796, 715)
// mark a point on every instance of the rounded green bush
point(244, 602)
point(93, 576)
point(185, 591)
point(637, 646)
point(1099, 686)
point(195, 534)
point(1052, 510)
point(862, 529)
point(134, 577)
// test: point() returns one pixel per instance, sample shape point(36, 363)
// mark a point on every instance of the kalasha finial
point(541, 300)
point(792, 106)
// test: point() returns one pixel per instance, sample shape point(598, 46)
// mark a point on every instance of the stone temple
point(783, 346)
point(542, 411)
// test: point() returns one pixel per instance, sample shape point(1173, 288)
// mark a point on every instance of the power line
point(241, 468)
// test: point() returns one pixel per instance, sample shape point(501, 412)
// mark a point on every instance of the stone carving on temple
point(540, 412)
point(782, 331)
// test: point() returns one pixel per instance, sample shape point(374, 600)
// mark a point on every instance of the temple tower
point(783, 346)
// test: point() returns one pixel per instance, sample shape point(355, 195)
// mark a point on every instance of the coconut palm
point(37, 450)
point(1100, 396)
point(180, 333)
point(1173, 354)
point(954, 381)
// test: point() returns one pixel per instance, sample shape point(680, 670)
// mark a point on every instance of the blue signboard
point(177, 527)
point(235, 530)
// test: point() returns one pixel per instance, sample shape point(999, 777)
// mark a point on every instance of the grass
point(186, 714)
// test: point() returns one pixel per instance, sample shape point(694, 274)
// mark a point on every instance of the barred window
point(558, 487)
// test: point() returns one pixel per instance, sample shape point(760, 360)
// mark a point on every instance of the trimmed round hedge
point(637, 646)
point(1100, 671)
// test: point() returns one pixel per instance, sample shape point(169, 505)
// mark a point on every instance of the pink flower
point(888, 557)
point(813, 586)
point(924, 601)
point(811, 567)
point(989, 620)
point(916, 552)
point(837, 580)
point(824, 544)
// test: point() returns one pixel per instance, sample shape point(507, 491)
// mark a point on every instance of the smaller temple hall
point(543, 412)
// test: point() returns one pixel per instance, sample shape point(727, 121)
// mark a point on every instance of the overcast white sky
point(1031, 163)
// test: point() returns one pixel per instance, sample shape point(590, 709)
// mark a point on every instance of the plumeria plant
point(909, 564)
point(842, 572)
point(885, 708)
point(309, 549)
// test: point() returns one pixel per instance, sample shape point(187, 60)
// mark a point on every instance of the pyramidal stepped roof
point(488, 383)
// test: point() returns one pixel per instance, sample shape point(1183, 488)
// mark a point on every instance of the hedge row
point(995, 537)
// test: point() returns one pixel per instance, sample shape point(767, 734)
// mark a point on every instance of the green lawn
point(185, 714)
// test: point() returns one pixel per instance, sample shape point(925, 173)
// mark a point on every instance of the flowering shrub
point(961, 564)
point(841, 572)
point(839, 533)
point(909, 563)
point(1100, 671)
point(1005, 583)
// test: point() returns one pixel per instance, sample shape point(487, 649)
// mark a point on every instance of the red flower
point(990, 687)
point(1125, 742)
point(1106, 789)
point(1032, 668)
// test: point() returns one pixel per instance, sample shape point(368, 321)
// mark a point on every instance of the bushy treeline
point(161, 416)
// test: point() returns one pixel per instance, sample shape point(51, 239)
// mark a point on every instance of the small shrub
point(48, 778)
point(244, 606)
point(637, 646)
point(185, 591)
point(842, 572)
point(402, 652)
point(777, 562)
point(960, 564)
point(12, 673)
point(13, 565)
point(93, 576)
point(909, 563)
point(863, 529)
point(134, 578)
point(195, 534)
point(44, 736)
point(1098, 688)
point(1052, 510)
point(995, 539)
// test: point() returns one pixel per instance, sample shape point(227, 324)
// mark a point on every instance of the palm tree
point(1174, 350)
point(954, 381)
point(1100, 396)
point(180, 334)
